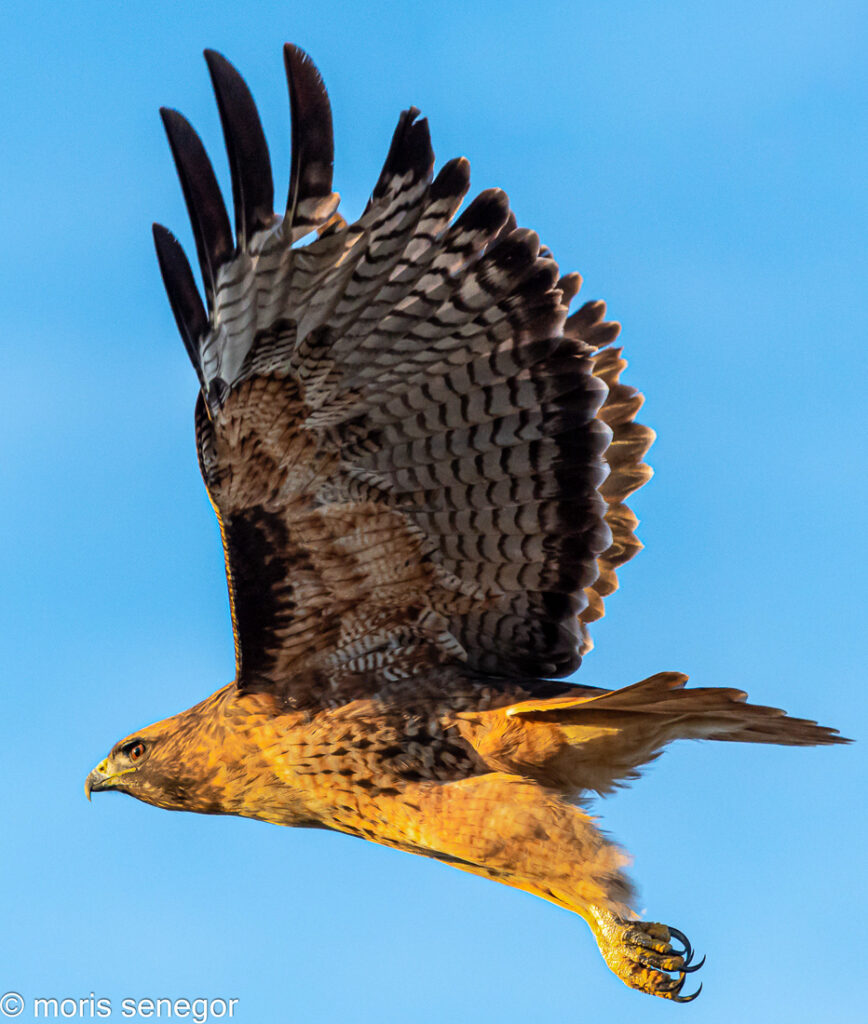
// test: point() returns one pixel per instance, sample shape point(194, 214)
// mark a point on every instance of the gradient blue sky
point(703, 166)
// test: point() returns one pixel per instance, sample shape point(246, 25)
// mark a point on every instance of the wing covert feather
point(415, 455)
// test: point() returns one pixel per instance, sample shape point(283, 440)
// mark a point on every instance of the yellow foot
point(642, 955)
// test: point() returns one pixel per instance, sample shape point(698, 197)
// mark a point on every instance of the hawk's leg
point(512, 830)
point(642, 955)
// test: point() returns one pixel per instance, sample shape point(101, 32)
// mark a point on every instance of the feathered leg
point(512, 830)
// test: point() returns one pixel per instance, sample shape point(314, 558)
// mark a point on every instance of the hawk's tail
point(593, 740)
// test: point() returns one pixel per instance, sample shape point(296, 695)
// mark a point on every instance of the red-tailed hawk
point(419, 461)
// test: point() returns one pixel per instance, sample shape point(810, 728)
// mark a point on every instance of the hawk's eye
point(136, 751)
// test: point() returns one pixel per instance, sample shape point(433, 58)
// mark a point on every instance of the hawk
point(419, 460)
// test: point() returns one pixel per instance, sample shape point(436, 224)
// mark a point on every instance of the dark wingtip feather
point(184, 298)
point(603, 334)
point(570, 285)
point(453, 179)
point(489, 211)
point(312, 157)
point(587, 325)
point(249, 162)
point(202, 195)
point(409, 152)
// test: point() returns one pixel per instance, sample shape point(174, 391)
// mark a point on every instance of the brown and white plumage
point(420, 462)
point(399, 400)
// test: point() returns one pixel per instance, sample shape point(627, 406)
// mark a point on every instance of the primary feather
point(396, 413)
point(420, 462)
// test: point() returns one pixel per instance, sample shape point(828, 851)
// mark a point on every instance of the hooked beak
point(98, 780)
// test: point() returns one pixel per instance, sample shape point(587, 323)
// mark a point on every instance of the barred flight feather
point(420, 462)
point(416, 454)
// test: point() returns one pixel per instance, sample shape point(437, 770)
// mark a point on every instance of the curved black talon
point(674, 987)
point(687, 999)
point(687, 952)
point(685, 969)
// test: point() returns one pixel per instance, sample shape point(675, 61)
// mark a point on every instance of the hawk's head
point(144, 766)
point(174, 764)
point(206, 759)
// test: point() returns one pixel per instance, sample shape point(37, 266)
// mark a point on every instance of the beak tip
point(92, 782)
point(100, 779)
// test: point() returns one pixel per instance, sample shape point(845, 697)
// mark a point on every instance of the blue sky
point(703, 167)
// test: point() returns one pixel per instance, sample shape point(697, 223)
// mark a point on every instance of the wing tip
point(310, 200)
point(246, 148)
point(410, 151)
point(184, 298)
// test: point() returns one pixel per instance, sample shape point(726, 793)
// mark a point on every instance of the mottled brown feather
point(420, 464)
point(405, 446)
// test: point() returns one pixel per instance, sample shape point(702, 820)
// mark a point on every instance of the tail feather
point(664, 694)
point(593, 740)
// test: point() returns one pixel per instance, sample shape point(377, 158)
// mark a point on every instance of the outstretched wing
point(404, 437)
